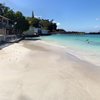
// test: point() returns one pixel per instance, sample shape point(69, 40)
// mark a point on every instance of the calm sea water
point(87, 46)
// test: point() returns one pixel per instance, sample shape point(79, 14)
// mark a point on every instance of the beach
point(34, 70)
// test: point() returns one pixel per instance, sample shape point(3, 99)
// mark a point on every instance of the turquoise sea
point(86, 46)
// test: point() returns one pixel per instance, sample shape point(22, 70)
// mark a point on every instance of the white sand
point(36, 71)
point(92, 57)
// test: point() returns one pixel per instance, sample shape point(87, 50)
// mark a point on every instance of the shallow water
point(86, 47)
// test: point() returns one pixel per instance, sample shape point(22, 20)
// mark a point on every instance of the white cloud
point(97, 26)
point(38, 16)
point(97, 19)
point(58, 23)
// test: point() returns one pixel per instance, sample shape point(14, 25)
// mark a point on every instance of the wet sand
point(32, 70)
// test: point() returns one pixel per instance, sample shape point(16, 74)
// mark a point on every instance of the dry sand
point(37, 71)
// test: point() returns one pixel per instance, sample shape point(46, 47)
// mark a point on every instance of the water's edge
point(90, 57)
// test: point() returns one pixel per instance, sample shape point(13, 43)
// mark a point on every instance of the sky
point(71, 15)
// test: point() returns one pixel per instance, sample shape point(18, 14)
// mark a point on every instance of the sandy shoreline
point(35, 71)
point(81, 54)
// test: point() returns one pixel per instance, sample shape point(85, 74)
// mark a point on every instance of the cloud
point(38, 16)
point(58, 23)
point(97, 19)
point(97, 26)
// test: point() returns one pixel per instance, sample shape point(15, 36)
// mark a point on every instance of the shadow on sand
point(23, 97)
point(8, 43)
point(4, 45)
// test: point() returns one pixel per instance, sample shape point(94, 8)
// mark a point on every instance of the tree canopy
point(23, 22)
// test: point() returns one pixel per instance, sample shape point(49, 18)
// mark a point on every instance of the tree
point(42, 23)
point(10, 14)
point(54, 26)
point(3, 9)
point(34, 22)
point(48, 25)
point(45, 24)
point(22, 23)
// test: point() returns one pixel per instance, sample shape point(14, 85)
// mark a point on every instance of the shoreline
point(31, 70)
point(82, 55)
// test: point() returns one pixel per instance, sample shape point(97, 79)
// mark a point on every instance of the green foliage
point(10, 14)
point(48, 25)
point(45, 24)
point(22, 23)
point(3, 9)
point(34, 22)
point(42, 23)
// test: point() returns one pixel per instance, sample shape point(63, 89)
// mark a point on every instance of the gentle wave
point(85, 47)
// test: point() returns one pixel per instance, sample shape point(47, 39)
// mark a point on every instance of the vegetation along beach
point(49, 51)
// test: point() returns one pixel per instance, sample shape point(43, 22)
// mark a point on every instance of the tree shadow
point(24, 97)
point(8, 43)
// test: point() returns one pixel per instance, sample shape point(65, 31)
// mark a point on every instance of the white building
point(45, 32)
point(36, 32)
point(32, 32)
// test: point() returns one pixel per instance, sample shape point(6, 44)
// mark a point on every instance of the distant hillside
point(94, 33)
